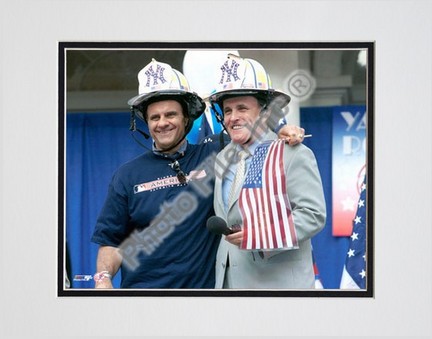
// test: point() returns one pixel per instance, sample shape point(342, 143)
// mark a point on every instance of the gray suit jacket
point(287, 269)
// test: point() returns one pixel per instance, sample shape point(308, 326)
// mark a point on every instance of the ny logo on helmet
point(229, 71)
point(155, 75)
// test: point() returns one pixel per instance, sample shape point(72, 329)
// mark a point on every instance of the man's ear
point(265, 115)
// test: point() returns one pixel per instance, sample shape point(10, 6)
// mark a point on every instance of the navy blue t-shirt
point(159, 223)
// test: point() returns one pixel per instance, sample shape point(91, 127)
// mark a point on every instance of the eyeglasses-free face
point(240, 115)
point(166, 124)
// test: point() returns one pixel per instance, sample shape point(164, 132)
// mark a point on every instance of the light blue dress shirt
point(230, 172)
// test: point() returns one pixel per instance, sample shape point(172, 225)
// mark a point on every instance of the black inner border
point(368, 292)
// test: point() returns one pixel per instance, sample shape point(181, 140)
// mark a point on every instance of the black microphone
point(218, 225)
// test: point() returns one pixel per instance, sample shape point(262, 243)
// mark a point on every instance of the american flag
point(354, 272)
point(263, 201)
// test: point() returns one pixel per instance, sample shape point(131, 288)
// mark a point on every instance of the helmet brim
point(139, 99)
point(195, 105)
point(281, 98)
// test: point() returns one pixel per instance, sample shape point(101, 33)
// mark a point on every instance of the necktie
point(239, 176)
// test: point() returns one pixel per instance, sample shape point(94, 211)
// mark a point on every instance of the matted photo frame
point(331, 90)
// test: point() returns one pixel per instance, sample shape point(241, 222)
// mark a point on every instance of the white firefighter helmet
point(159, 81)
point(242, 76)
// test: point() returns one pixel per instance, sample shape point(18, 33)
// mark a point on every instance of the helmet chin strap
point(219, 117)
point(133, 129)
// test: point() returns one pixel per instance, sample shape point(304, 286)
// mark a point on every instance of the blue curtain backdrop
point(97, 143)
point(329, 251)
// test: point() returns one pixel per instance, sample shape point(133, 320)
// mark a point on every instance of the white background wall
point(30, 31)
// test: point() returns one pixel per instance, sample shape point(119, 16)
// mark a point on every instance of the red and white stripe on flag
point(263, 201)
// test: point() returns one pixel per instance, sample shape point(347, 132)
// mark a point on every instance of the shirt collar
point(250, 148)
point(180, 152)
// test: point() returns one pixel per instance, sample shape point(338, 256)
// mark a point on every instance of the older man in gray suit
point(279, 204)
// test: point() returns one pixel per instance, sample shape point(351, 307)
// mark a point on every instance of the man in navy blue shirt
point(152, 224)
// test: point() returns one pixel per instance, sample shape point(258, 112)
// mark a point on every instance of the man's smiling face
point(240, 115)
point(166, 123)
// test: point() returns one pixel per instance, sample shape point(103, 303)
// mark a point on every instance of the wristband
point(101, 276)
point(282, 122)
